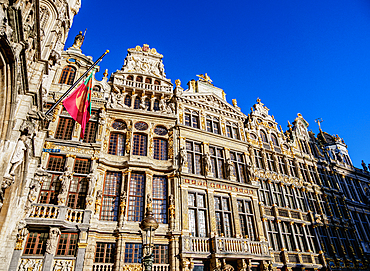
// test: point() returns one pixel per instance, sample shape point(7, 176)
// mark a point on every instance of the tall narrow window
point(194, 157)
point(110, 200)
point(213, 125)
point(322, 176)
point(197, 214)
point(264, 193)
point(246, 219)
point(311, 239)
point(258, 158)
point(229, 132)
point(65, 128)
point(301, 240)
point(68, 75)
point(160, 149)
point(160, 199)
point(218, 162)
point(239, 166)
point(36, 243)
point(191, 118)
point(156, 105)
point(104, 252)
point(78, 187)
point(140, 145)
point(282, 166)
point(133, 253)
point(270, 162)
point(128, 100)
point(137, 103)
point(263, 136)
point(161, 254)
point(300, 200)
point(303, 169)
point(292, 168)
point(287, 236)
point(51, 186)
point(236, 134)
point(274, 140)
point(117, 144)
point(223, 216)
point(273, 235)
point(313, 175)
point(91, 127)
point(312, 201)
point(67, 245)
point(289, 197)
point(277, 194)
point(136, 197)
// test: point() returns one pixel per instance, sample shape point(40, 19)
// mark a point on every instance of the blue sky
point(308, 57)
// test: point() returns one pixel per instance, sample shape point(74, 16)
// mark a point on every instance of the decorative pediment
point(300, 126)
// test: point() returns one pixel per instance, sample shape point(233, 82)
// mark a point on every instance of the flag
point(78, 104)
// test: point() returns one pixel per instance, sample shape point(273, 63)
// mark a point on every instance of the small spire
point(289, 125)
point(318, 121)
point(105, 74)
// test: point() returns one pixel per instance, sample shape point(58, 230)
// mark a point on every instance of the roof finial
point(318, 121)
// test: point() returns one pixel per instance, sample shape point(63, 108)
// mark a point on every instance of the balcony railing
point(136, 267)
point(195, 245)
point(103, 267)
point(64, 213)
point(146, 86)
point(240, 246)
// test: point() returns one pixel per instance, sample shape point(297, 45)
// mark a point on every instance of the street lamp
point(148, 225)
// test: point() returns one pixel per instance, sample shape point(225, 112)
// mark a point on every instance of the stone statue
point(162, 105)
point(148, 200)
point(183, 158)
point(229, 167)
point(142, 103)
point(92, 181)
point(65, 180)
point(32, 195)
point(207, 163)
point(363, 164)
point(172, 207)
point(122, 205)
point(18, 155)
point(79, 39)
point(51, 243)
point(99, 195)
point(4, 185)
point(22, 234)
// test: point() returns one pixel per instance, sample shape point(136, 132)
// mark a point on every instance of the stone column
point(21, 236)
point(235, 213)
point(51, 247)
point(184, 206)
point(260, 235)
point(211, 212)
point(82, 244)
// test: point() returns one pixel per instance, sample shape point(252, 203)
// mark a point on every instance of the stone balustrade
point(41, 212)
point(195, 244)
point(240, 246)
point(140, 85)
point(103, 267)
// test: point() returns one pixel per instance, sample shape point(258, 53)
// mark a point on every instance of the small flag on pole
point(78, 104)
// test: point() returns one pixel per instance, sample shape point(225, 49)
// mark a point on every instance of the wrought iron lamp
point(148, 225)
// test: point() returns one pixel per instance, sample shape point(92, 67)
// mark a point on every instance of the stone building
point(32, 36)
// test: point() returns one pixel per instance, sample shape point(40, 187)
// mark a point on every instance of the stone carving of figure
point(161, 68)
point(183, 158)
point(170, 108)
point(98, 201)
point(120, 99)
point(363, 164)
point(142, 103)
point(79, 39)
point(172, 207)
point(51, 243)
point(92, 180)
point(122, 205)
point(148, 200)
point(18, 155)
point(4, 185)
point(65, 179)
point(162, 105)
point(229, 167)
point(207, 163)
point(34, 192)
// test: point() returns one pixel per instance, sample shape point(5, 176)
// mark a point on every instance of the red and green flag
point(78, 104)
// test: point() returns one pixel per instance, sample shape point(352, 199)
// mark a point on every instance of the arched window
point(140, 145)
point(130, 77)
point(117, 144)
point(137, 103)
point(274, 140)
point(156, 82)
point(139, 79)
point(128, 100)
point(96, 88)
point(156, 105)
point(263, 136)
point(148, 80)
point(68, 75)
point(160, 149)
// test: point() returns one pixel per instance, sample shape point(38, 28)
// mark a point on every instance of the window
point(156, 82)
point(258, 158)
point(282, 166)
point(133, 253)
point(273, 235)
point(194, 157)
point(277, 194)
point(160, 199)
point(136, 197)
point(223, 216)
point(301, 240)
point(270, 162)
point(96, 88)
point(160, 254)
point(68, 75)
point(322, 176)
point(303, 169)
point(147, 104)
point(313, 174)
point(263, 136)
point(156, 105)
point(36, 243)
point(67, 245)
point(213, 125)
point(139, 79)
point(246, 219)
point(160, 149)
point(324, 205)
point(137, 103)
point(65, 128)
point(311, 238)
point(289, 197)
point(51, 186)
point(104, 252)
point(128, 100)
point(117, 143)
point(274, 140)
point(191, 118)
point(239, 166)
point(229, 132)
point(351, 188)
point(300, 200)
point(325, 240)
point(140, 145)
point(264, 193)
point(148, 80)
point(333, 207)
point(287, 236)
point(197, 214)
point(343, 186)
point(334, 239)
point(304, 146)
point(90, 130)
point(110, 200)
point(292, 168)
point(79, 184)
point(130, 77)
point(312, 202)
point(218, 162)
point(360, 191)
point(236, 134)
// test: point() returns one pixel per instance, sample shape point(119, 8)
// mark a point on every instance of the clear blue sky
point(309, 57)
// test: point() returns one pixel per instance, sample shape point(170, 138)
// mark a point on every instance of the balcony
point(233, 247)
point(57, 215)
point(127, 267)
point(139, 85)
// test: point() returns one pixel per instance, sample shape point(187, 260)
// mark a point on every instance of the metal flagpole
point(75, 84)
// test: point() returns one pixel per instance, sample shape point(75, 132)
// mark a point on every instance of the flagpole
point(75, 84)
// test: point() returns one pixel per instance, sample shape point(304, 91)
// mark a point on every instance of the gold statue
point(235, 103)
point(79, 39)
point(205, 78)
point(178, 83)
